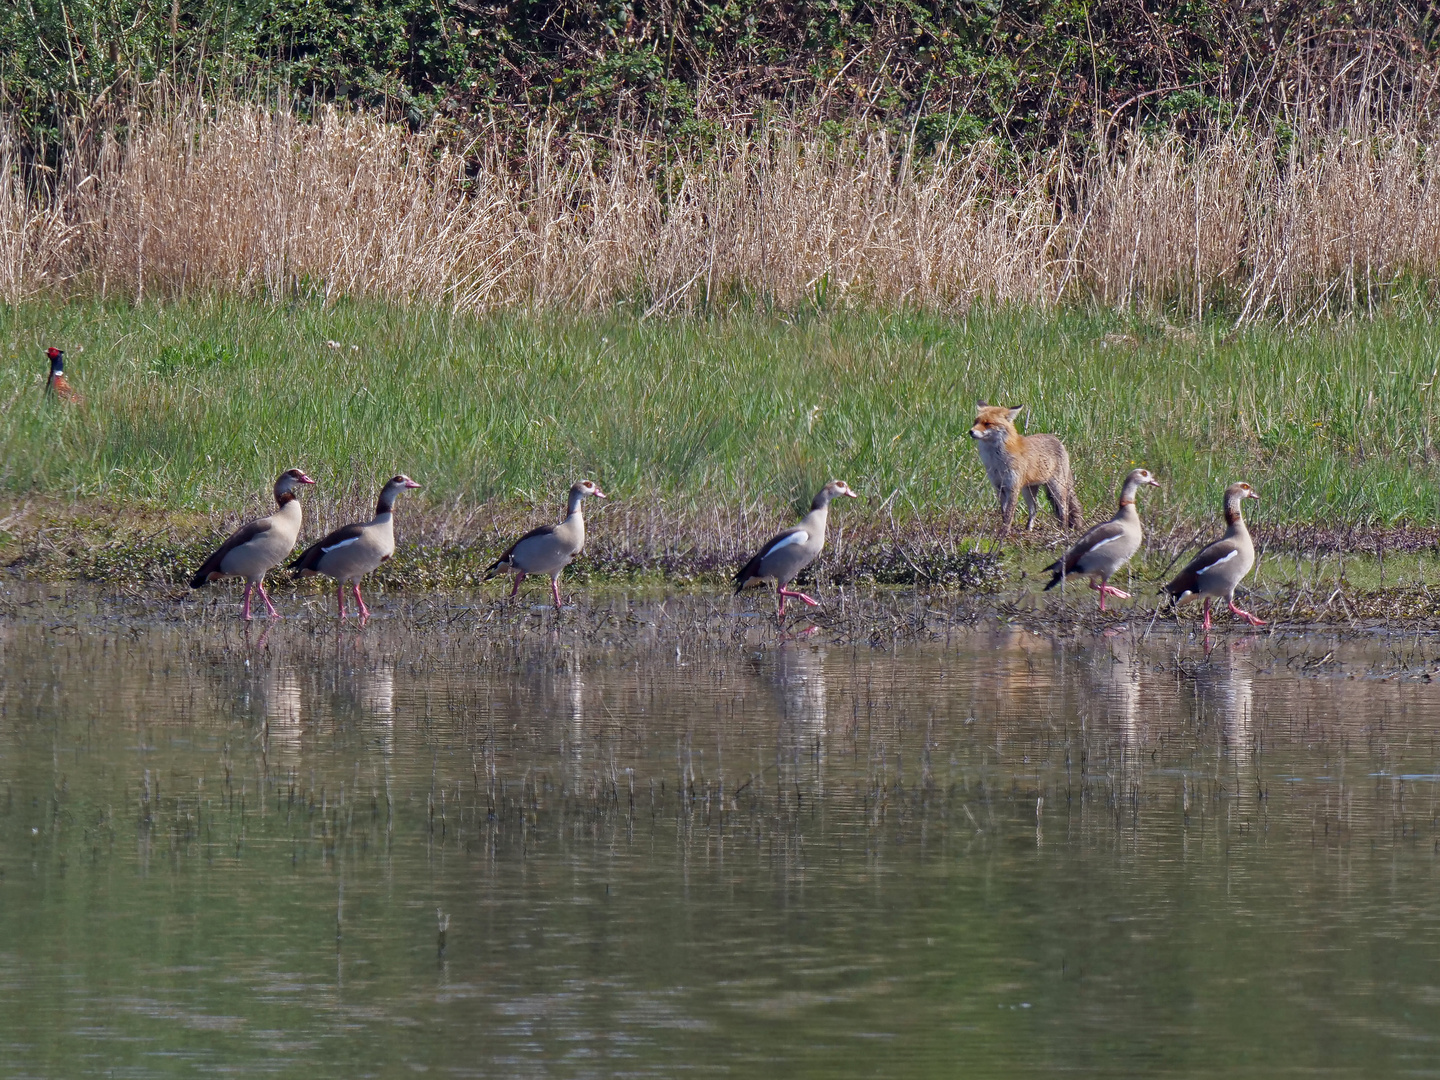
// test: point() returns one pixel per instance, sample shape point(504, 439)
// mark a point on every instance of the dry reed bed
point(262, 204)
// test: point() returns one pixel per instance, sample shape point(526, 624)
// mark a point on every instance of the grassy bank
point(197, 406)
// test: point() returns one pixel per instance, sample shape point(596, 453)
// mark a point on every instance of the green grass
point(191, 403)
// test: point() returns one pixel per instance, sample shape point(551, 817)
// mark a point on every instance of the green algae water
point(661, 847)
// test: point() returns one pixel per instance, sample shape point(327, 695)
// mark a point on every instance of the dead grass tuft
point(258, 203)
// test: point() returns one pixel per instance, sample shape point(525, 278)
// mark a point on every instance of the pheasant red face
point(56, 382)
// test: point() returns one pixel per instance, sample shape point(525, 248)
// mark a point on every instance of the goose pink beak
point(410, 484)
point(305, 479)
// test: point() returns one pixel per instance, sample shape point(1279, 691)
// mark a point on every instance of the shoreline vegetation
point(713, 259)
point(708, 433)
point(711, 432)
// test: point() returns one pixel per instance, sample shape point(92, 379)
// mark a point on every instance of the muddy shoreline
point(612, 616)
point(879, 575)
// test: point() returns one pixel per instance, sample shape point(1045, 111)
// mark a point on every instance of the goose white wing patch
point(1218, 562)
point(1099, 544)
point(342, 543)
point(785, 541)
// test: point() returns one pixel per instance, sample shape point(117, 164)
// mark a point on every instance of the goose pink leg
point(785, 593)
point(1207, 616)
point(245, 608)
point(1105, 590)
point(364, 611)
point(1251, 619)
point(260, 587)
point(519, 577)
point(800, 596)
point(555, 591)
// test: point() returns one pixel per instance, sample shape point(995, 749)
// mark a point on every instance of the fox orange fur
point(1021, 464)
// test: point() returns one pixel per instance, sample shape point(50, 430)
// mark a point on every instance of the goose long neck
point(817, 518)
point(384, 510)
point(287, 519)
point(1234, 519)
point(1127, 498)
point(573, 526)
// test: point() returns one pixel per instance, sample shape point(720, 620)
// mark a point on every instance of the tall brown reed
point(259, 203)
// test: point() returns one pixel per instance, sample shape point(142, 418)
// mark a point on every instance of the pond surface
point(658, 852)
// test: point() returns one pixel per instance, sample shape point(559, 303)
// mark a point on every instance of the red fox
point(1018, 465)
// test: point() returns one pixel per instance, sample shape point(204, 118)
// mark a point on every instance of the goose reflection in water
point(283, 711)
point(1226, 691)
point(376, 694)
point(1114, 680)
point(799, 682)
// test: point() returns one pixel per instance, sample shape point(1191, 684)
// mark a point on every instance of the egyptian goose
point(352, 551)
point(1219, 568)
point(550, 548)
point(259, 546)
point(1107, 547)
point(784, 556)
point(56, 383)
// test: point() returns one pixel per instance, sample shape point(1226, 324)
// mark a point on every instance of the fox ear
point(982, 404)
point(1015, 411)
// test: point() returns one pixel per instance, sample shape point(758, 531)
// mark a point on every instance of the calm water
point(662, 851)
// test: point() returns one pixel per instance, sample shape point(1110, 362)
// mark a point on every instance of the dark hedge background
point(1039, 74)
